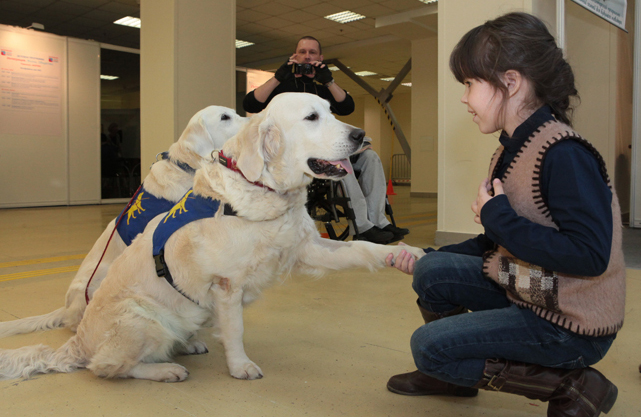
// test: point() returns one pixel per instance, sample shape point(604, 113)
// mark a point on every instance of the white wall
point(43, 161)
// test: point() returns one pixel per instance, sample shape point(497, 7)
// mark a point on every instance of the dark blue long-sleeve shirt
point(579, 200)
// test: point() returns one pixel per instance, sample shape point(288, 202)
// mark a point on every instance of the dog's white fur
point(137, 321)
point(207, 130)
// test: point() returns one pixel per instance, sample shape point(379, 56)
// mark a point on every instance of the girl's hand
point(484, 196)
point(404, 262)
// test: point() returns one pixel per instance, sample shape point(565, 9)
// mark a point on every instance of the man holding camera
point(304, 72)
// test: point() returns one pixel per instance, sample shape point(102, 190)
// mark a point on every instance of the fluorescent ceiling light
point(364, 73)
point(345, 17)
point(388, 79)
point(133, 22)
point(407, 84)
point(428, 1)
point(242, 44)
point(108, 77)
point(333, 68)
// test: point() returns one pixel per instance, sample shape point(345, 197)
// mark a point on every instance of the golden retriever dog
point(168, 181)
point(137, 321)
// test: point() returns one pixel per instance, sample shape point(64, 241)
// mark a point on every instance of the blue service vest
point(144, 208)
point(190, 208)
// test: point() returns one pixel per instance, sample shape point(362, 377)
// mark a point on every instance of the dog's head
point(210, 128)
point(294, 139)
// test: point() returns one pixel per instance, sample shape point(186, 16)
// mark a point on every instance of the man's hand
point(404, 262)
point(323, 74)
point(484, 196)
point(284, 72)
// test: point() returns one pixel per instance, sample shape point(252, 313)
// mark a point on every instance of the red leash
point(112, 235)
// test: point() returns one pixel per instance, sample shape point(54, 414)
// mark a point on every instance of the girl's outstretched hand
point(484, 196)
point(404, 262)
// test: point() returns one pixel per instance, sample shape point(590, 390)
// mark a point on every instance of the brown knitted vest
point(592, 306)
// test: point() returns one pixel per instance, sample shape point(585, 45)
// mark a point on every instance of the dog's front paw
point(195, 347)
point(247, 370)
point(417, 252)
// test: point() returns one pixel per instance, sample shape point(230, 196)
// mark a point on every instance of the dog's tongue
point(345, 164)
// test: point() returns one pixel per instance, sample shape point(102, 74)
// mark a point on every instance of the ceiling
point(380, 43)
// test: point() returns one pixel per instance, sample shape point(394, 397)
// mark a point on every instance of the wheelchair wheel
point(329, 205)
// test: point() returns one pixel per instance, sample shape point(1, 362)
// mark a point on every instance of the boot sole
point(461, 392)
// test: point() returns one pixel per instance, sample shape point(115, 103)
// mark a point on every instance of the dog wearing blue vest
point(166, 183)
point(247, 228)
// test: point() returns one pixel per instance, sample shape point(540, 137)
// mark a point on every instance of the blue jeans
point(454, 349)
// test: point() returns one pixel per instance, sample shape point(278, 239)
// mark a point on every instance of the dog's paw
point(195, 347)
point(248, 370)
point(162, 372)
point(417, 252)
point(174, 373)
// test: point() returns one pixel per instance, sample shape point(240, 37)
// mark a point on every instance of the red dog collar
point(230, 163)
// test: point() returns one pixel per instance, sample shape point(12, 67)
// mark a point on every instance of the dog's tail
point(40, 359)
point(48, 321)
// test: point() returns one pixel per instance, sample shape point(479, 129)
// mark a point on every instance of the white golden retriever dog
point(168, 179)
point(137, 321)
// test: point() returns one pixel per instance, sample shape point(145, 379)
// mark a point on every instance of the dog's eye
point(225, 117)
point(312, 117)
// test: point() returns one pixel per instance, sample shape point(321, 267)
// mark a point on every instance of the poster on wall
point(256, 78)
point(30, 93)
point(611, 10)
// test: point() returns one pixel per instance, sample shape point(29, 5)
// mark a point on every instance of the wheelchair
point(328, 203)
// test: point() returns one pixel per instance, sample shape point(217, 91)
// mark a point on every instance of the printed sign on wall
point(30, 93)
point(611, 10)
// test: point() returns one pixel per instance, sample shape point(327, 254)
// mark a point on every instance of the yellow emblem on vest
point(135, 208)
point(179, 208)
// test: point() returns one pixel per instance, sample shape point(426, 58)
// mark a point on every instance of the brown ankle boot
point(571, 392)
point(417, 383)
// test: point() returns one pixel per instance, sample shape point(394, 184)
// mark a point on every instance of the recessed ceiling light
point(364, 73)
point(345, 17)
point(428, 1)
point(242, 44)
point(407, 84)
point(388, 79)
point(333, 68)
point(133, 22)
point(108, 77)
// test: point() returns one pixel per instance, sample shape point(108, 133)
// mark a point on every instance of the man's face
point(307, 51)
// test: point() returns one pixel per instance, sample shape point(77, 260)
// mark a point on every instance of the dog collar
point(185, 167)
point(230, 163)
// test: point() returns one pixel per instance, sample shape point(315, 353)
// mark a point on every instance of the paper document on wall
point(30, 93)
point(611, 10)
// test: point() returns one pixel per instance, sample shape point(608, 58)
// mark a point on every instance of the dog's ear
point(196, 137)
point(270, 138)
point(261, 142)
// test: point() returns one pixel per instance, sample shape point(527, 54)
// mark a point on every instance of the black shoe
point(396, 230)
point(376, 235)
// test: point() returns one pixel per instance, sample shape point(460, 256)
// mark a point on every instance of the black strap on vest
point(162, 270)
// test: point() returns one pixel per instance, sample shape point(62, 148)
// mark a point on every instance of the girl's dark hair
point(520, 42)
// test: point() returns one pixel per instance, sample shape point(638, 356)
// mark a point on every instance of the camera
point(303, 69)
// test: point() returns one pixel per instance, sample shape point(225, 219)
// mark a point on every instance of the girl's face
point(484, 102)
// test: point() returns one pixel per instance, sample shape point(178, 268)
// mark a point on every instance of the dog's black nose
point(357, 135)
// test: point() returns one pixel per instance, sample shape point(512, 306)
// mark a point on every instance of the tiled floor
point(326, 346)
